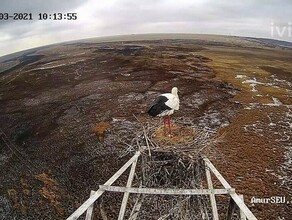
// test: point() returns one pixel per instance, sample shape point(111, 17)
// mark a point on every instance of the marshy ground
point(66, 115)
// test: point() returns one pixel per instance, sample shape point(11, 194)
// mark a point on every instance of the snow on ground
point(253, 83)
point(212, 120)
point(280, 81)
point(278, 126)
point(52, 65)
point(240, 76)
point(279, 115)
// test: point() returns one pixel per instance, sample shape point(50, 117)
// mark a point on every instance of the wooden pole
point(126, 194)
point(212, 196)
point(90, 208)
point(158, 191)
point(98, 193)
point(233, 195)
point(241, 214)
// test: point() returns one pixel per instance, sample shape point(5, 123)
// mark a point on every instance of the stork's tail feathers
point(158, 106)
point(154, 110)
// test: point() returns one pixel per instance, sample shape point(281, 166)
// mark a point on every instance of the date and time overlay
point(40, 16)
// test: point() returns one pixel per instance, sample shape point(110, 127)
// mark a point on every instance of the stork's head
point(174, 91)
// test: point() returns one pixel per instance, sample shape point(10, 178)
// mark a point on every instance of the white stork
point(164, 105)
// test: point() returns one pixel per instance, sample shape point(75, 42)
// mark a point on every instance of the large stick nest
point(173, 161)
point(186, 141)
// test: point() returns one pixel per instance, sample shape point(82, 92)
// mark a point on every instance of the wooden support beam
point(90, 208)
point(233, 195)
point(165, 191)
point(98, 193)
point(241, 214)
point(126, 194)
point(212, 196)
point(216, 173)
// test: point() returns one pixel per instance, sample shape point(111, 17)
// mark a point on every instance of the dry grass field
point(66, 115)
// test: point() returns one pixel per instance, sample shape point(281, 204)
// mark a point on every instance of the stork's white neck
point(174, 91)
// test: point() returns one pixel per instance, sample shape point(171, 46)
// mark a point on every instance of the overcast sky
point(114, 17)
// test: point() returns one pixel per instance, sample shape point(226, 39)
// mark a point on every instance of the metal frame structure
point(236, 201)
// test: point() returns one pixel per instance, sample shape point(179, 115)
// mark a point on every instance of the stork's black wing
point(158, 106)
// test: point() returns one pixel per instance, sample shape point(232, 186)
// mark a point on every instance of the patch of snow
point(288, 114)
point(255, 127)
point(196, 100)
point(225, 124)
point(271, 123)
point(118, 119)
point(282, 81)
point(176, 72)
point(279, 124)
point(285, 137)
point(253, 88)
point(125, 74)
point(253, 83)
point(49, 67)
point(213, 120)
point(239, 76)
point(79, 54)
point(253, 105)
point(276, 102)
